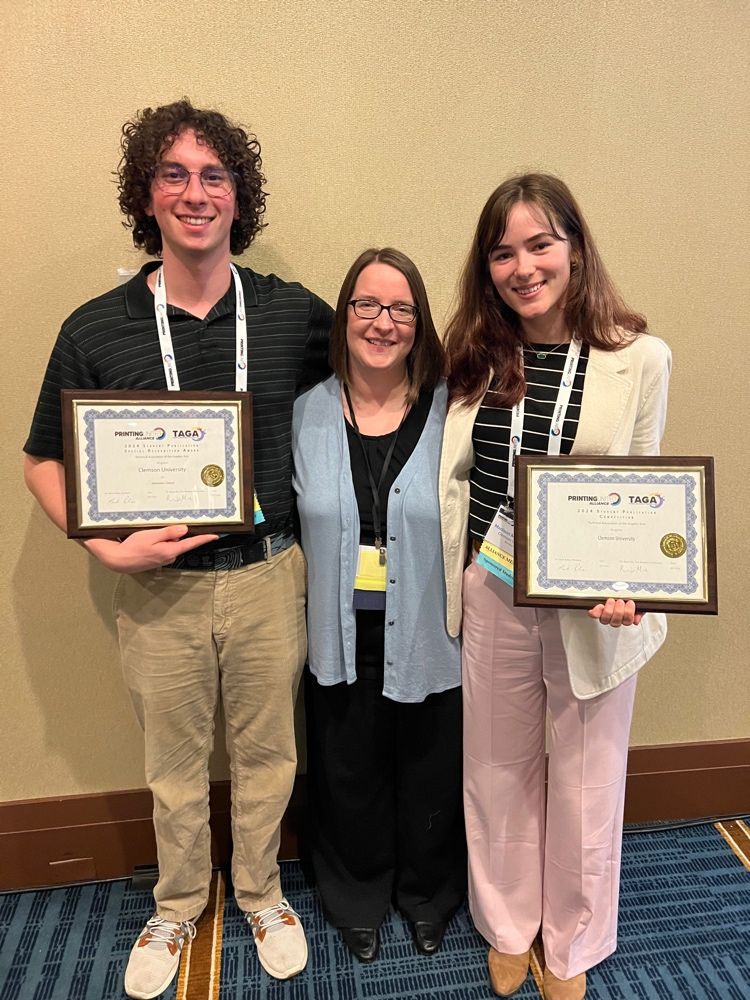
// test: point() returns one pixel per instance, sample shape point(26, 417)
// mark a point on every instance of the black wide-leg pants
point(385, 795)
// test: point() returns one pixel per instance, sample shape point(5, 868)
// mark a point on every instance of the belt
point(476, 543)
point(243, 553)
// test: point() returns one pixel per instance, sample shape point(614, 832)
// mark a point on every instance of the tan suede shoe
point(564, 989)
point(507, 972)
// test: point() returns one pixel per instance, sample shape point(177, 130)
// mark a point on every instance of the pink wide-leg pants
point(554, 864)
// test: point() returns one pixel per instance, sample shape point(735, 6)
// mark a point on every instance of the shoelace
point(263, 919)
point(169, 930)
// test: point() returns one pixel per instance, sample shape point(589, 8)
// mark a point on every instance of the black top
point(491, 435)
point(111, 342)
point(376, 447)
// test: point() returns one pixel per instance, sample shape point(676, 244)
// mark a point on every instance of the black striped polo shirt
point(111, 342)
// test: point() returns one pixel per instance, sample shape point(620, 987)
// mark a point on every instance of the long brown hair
point(426, 361)
point(484, 333)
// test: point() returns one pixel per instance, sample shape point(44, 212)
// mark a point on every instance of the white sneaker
point(155, 957)
point(280, 940)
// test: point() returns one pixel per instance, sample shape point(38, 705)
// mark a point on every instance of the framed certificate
point(147, 459)
point(640, 528)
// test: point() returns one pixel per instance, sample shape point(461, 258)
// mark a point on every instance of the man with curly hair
point(205, 616)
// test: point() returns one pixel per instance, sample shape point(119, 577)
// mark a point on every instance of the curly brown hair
point(152, 132)
point(483, 333)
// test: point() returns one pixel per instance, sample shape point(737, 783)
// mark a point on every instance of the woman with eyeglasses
point(383, 694)
point(544, 358)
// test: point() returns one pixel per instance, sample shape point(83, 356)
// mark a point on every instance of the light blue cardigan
point(420, 657)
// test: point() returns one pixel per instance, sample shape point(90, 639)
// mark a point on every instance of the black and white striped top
point(112, 342)
point(491, 435)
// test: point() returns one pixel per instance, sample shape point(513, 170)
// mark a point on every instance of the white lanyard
point(558, 414)
point(165, 335)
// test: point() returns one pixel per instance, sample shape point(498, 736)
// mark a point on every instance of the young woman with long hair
point(535, 300)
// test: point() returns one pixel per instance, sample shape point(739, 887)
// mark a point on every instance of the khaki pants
point(188, 637)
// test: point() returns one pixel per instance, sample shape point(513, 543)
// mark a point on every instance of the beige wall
point(385, 122)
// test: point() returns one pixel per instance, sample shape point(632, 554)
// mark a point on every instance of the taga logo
point(614, 499)
point(654, 500)
point(190, 433)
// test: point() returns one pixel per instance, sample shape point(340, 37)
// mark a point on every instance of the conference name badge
point(371, 569)
point(496, 551)
point(258, 515)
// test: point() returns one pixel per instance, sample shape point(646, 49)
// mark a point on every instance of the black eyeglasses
point(174, 178)
point(400, 312)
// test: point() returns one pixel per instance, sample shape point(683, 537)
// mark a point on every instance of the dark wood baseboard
point(79, 838)
point(688, 781)
point(54, 841)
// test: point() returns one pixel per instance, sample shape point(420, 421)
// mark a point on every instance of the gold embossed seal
point(213, 475)
point(673, 545)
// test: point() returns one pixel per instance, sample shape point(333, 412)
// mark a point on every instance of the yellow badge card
point(370, 569)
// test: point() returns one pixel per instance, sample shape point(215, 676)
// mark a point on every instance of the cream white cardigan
point(623, 412)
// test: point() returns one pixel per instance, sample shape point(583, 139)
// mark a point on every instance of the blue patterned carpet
point(684, 935)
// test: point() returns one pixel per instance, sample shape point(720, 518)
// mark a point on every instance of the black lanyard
point(375, 487)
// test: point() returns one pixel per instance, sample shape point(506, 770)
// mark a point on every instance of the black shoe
point(363, 942)
point(427, 936)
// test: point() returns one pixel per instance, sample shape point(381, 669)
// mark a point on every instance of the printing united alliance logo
point(652, 500)
point(157, 434)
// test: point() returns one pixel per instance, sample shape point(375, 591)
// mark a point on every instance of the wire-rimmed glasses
point(174, 178)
